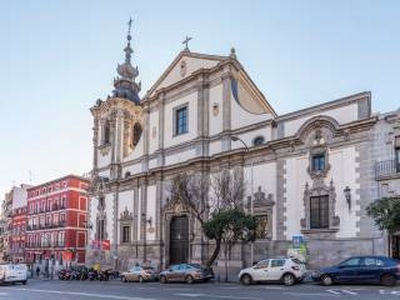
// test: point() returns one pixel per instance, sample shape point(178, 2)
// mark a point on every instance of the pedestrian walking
point(38, 271)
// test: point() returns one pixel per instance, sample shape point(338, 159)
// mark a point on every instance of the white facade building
point(311, 169)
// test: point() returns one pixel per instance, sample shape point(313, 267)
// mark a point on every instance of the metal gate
point(179, 240)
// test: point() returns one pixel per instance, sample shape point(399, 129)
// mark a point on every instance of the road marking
point(273, 287)
point(83, 294)
point(3, 294)
point(387, 292)
point(217, 296)
point(308, 294)
point(339, 292)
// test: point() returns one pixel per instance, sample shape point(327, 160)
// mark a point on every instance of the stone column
point(203, 99)
point(146, 136)
point(226, 112)
point(95, 140)
point(161, 135)
point(143, 216)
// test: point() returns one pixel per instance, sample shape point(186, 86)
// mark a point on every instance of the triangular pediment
point(185, 64)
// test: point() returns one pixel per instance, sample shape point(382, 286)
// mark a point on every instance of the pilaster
point(226, 112)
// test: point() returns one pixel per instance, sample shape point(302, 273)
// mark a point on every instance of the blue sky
point(58, 57)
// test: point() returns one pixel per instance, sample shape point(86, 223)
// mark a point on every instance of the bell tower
point(118, 120)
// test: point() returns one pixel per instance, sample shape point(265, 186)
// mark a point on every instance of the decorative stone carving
point(318, 147)
point(126, 215)
point(183, 68)
point(262, 209)
point(320, 189)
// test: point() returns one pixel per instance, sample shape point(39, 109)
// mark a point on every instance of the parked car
point(12, 273)
point(139, 273)
point(186, 273)
point(361, 269)
point(285, 270)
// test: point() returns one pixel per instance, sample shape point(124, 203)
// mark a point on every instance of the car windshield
point(147, 268)
point(197, 266)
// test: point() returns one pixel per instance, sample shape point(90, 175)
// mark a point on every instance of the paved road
point(115, 290)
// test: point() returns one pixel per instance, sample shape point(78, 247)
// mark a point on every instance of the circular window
point(258, 141)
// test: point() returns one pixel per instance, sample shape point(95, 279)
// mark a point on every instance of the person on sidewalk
point(37, 271)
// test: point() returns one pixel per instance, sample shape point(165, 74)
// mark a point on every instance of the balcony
point(388, 169)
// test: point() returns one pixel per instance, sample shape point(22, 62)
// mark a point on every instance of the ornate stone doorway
point(179, 240)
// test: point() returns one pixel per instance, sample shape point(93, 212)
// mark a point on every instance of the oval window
point(258, 141)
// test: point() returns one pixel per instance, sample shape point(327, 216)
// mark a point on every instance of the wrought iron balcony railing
point(386, 168)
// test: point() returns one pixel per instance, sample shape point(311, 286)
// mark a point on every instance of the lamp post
point(235, 139)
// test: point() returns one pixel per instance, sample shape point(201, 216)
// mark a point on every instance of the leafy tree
point(386, 213)
point(228, 227)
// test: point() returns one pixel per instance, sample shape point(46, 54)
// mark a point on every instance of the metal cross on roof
point(186, 42)
point(129, 25)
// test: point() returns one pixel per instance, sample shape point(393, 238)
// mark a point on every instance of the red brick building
point(18, 232)
point(57, 216)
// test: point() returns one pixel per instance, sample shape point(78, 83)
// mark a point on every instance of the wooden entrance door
point(179, 240)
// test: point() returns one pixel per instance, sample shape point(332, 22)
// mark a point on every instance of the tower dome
point(125, 85)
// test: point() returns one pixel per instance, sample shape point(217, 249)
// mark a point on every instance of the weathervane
point(186, 43)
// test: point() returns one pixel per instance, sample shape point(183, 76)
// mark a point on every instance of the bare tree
point(192, 191)
point(208, 196)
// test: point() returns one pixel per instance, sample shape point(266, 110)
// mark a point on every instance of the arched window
point(107, 131)
point(136, 133)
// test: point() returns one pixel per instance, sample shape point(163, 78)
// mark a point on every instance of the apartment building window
point(61, 238)
point(181, 120)
point(319, 212)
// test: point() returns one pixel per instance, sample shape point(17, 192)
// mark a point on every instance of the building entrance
point(179, 240)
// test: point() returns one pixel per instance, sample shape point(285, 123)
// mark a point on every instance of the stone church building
point(308, 173)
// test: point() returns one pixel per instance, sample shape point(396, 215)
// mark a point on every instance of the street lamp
point(235, 139)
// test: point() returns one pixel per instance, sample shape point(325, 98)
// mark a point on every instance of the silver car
point(140, 274)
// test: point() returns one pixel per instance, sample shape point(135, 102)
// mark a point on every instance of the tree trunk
point(226, 262)
point(215, 253)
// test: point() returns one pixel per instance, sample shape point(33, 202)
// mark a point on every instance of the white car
point(12, 273)
point(285, 270)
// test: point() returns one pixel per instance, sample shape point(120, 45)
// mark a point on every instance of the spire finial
point(186, 43)
point(233, 53)
point(125, 85)
point(129, 37)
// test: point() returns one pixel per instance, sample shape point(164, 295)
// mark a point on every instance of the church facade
point(308, 173)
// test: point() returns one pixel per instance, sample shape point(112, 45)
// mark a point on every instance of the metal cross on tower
point(186, 43)
point(129, 25)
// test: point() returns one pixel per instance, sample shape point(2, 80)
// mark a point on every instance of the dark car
point(361, 269)
point(186, 273)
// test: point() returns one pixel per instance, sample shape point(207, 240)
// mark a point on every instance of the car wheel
point(123, 279)
point(163, 279)
point(246, 279)
point(189, 279)
point(141, 280)
point(326, 280)
point(388, 280)
point(288, 279)
point(24, 282)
